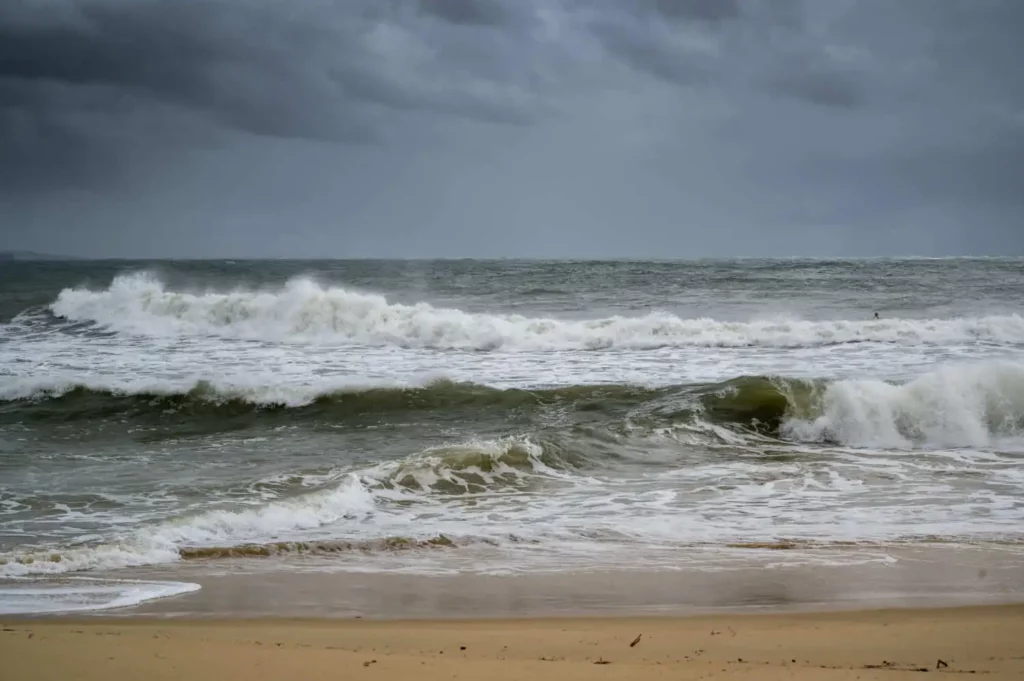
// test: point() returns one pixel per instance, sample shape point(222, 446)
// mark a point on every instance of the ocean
point(497, 418)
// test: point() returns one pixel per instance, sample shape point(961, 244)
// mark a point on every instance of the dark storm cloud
point(704, 42)
point(824, 86)
point(706, 10)
point(470, 12)
point(641, 47)
point(125, 76)
point(85, 88)
point(510, 127)
point(238, 65)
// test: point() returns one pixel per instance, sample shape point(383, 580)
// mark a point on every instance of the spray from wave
point(306, 311)
point(972, 405)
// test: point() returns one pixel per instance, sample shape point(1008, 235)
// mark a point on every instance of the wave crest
point(473, 467)
point(306, 311)
point(46, 398)
point(342, 509)
point(347, 500)
point(956, 405)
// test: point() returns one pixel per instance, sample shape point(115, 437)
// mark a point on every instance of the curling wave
point(476, 467)
point(306, 311)
point(974, 405)
point(957, 405)
point(970, 405)
point(43, 398)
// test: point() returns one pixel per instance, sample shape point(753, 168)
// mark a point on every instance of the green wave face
point(760, 403)
point(754, 403)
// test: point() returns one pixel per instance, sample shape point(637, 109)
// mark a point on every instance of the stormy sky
point(508, 128)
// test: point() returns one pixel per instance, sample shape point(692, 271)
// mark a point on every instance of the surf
point(954, 405)
point(306, 311)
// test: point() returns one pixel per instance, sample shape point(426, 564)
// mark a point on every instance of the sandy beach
point(877, 644)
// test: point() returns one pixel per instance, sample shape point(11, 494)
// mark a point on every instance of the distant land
point(7, 256)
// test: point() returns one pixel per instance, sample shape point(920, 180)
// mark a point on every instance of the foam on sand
point(82, 594)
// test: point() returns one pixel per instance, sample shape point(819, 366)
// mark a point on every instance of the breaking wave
point(367, 503)
point(957, 405)
point(306, 311)
point(970, 405)
point(349, 500)
point(99, 397)
point(474, 467)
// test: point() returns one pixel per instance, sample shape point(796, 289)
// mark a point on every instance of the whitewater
point(304, 311)
point(159, 421)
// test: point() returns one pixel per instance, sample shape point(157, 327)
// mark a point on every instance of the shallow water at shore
point(495, 419)
point(739, 580)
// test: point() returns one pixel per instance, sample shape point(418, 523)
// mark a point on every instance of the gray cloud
point(511, 127)
point(206, 57)
point(469, 12)
point(820, 87)
point(706, 10)
point(125, 75)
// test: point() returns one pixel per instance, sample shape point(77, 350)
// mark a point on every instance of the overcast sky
point(547, 128)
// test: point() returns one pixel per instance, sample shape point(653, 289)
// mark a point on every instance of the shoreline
point(866, 644)
point(299, 588)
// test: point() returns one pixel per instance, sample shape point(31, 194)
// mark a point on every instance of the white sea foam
point(252, 388)
point(306, 311)
point(83, 594)
point(915, 431)
point(571, 518)
point(355, 508)
point(467, 466)
point(958, 405)
point(283, 519)
point(967, 404)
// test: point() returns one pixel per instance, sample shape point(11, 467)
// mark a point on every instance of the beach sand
point(877, 644)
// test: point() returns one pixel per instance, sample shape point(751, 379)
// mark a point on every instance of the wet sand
point(879, 644)
point(922, 576)
point(767, 621)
